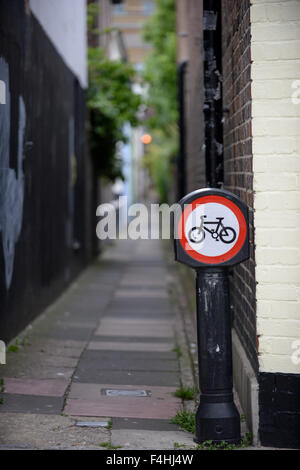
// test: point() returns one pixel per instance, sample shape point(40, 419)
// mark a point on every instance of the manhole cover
point(125, 393)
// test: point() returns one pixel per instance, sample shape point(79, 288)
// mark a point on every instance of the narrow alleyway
point(100, 367)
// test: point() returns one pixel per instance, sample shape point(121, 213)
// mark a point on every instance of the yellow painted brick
point(277, 163)
point(278, 69)
point(275, 108)
point(277, 256)
point(264, 89)
point(277, 238)
point(277, 219)
point(278, 309)
point(275, 50)
point(276, 345)
point(275, 292)
point(275, 31)
point(277, 363)
point(275, 12)
point(276, 145)
point(285, 327)
point(278, 274)
point(275, 181)
point(275, 126)
point(260, 2)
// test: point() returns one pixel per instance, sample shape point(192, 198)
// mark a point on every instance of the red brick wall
point(238, 173)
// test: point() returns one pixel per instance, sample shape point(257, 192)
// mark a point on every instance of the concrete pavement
point(99, 368)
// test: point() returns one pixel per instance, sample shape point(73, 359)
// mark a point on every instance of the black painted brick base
point(279, 410)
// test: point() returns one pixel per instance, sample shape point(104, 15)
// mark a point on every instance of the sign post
point(211, 234)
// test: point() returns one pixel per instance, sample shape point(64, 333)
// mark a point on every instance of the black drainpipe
point(213, 113)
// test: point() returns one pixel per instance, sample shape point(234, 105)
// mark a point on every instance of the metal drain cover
point(125, 393)
point(92, 424)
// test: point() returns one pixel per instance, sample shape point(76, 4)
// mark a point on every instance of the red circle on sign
point(238, 244)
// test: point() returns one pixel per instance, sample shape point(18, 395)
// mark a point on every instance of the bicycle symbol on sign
point(225, 234)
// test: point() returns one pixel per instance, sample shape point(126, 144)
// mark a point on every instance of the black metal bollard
point(210, 235)
point(217, 418)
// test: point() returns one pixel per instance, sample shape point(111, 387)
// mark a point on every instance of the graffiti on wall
point(11, 181)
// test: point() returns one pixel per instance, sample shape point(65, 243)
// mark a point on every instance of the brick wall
point(238, 171)
point(275, 28)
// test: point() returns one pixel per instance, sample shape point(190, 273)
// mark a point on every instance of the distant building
point(125, 19)
point(129, 16)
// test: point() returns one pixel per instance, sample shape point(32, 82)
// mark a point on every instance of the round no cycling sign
point(212, 229)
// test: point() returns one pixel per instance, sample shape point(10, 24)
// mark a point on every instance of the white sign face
point(211, 229)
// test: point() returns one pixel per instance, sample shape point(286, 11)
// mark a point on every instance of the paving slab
point(127, 407)
point(142, 322)
point(93, 362)
point(154, 314)
point(137, 330)
point(131, 439)
point(127, 347)
point(101, 357)
point(37, 371)
point(54, 387)
point(132, 339)
point(158, 378)
point(18, 403)
point(65, 332)
point(37, 365)
point(143, 293)
point(131, 303)
point(44, 431)
point(95, 392)
point(144, 424)
point(54, 347)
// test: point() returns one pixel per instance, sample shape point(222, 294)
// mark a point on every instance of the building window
point(148, 7)
point(118, 9)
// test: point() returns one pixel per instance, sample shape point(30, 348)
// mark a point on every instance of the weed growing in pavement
point(177, 445)
point(109, 424)
point(108, 446)
point(209, 445)
point(178, 351)
point(185, 419)
point(186, 393)
point(14, 347)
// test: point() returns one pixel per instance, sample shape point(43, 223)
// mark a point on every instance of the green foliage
point(111, 103)
point(108, 446)
point(210, 445)
point(160, 66)
point(158, 160)
point(161, 78)
point(109, 424)
point(186, 393)
point(185, 419)
point(178, 351)
point(14, 347)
